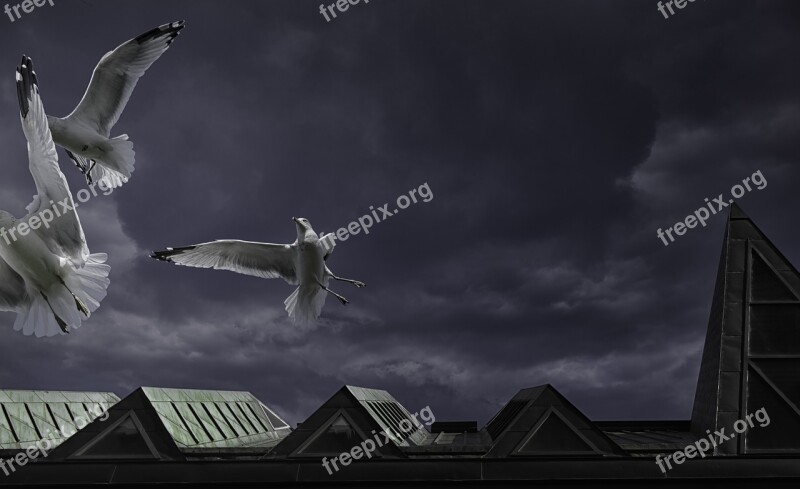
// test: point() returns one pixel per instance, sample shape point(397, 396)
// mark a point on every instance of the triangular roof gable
point(340, 433)
point(554, 434)
point(539, 421)
point(754, 328)
point(406, 429)
point(137, 403)
point(124, 438)
point(345, 404)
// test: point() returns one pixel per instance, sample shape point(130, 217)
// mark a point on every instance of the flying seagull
point(47, 275)
point(301, 263)
point(86, 133)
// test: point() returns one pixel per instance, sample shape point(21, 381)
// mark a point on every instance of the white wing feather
point(264, 260)
point(64, 235)
point(115, 77)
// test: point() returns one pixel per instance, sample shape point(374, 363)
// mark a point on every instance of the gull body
point(86, 133)
point(79, 138)
point(30, 257)
point(302, 263)
point(48, 276)
point(42, 273)
point(310, 260)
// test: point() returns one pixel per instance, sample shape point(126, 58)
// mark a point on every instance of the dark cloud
point(556, 137)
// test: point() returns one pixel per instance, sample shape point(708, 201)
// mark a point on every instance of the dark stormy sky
point(556, 136)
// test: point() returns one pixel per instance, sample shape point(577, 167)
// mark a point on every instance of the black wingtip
point(26, 80)
point(160, 256)
point(23, 100)
point(170, 30)
point(167, 254)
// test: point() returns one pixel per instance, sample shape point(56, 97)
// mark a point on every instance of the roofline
point(285, 473)
point(669, 424)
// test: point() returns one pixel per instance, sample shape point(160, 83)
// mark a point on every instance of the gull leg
point(88, 173)
point(85, 170)
point(357, 283)
point(341, 299)
point(79, 303)
point(59, 321)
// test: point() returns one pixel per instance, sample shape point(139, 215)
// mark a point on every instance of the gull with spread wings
point(47, 275)
point(86, 133)
point(301, 263)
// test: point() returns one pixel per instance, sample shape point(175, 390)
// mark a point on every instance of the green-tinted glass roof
point(216, 419)
point(391, 416)
point(27, 417)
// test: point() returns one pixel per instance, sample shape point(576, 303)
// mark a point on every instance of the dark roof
point(350, 416)
point(176, 424)
point(751, 361)
point(539, 421)
point(751, 358)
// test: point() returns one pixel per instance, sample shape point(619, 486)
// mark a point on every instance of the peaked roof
point(26, 417)
point(751, 358)
point(216, 419)
point(173, 424)
point(539, 421)
point(351, 416)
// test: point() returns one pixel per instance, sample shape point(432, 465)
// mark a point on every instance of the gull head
point(302, 224)
point(303, 227)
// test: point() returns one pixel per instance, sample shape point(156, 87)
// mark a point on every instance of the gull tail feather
point(48, 314)
point(305, 303)
point(36, 318)
point(90, 282)
point(63, 306)
point(57, 311)
point(117, 164)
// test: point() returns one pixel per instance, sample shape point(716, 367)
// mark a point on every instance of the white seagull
point(47, 275)
point(301, 263)
point(86, 133)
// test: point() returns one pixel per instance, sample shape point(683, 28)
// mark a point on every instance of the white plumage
point(301, 263)
point(86, 132)
point(47, 275)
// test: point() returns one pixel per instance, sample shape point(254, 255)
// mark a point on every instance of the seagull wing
point(64, 235)
point(327, 242)
point(264, 260)
point(12, 288)
point(116, 75)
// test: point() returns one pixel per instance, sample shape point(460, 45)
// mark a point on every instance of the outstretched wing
point(264, 260)
point(64, 234)
point(327, 242)
point(116, 75)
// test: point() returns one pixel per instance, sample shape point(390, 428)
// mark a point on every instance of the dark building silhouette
point(173, 437)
